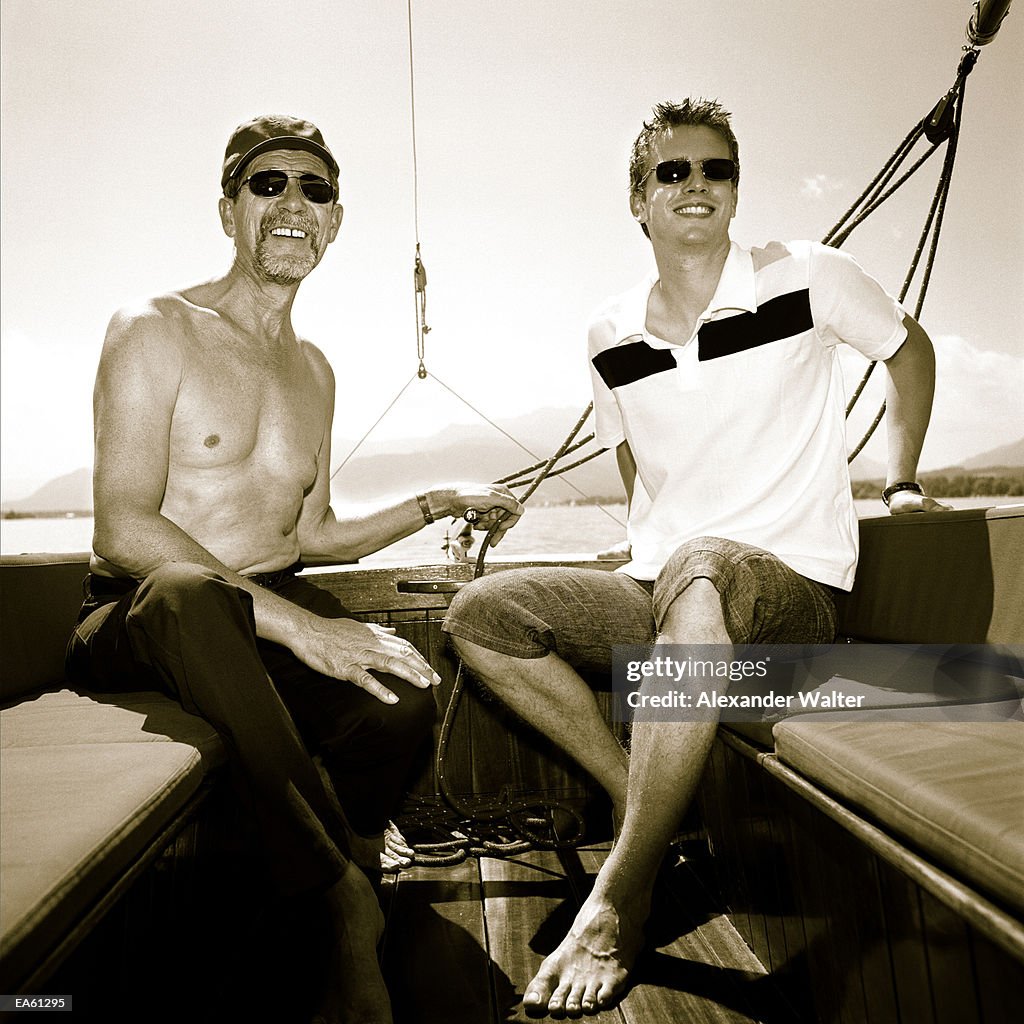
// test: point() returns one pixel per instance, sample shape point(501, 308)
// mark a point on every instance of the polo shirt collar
point(735, 292)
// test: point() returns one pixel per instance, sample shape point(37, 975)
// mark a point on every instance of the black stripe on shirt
point(626, 364)
point(778, 318)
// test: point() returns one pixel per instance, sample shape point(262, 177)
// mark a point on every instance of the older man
point(212, 483)
point(716, 381)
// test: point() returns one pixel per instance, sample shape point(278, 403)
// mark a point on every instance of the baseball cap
point(268, 132)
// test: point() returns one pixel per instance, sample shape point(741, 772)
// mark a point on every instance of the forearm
point(330, 538)
point(137, 543)
point(909, 393)
point(357, 533)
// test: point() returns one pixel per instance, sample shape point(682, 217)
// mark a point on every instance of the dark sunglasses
point(715, 168)
point(268, 184)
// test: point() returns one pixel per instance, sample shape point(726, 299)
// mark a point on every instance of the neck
point(261, 308)
point(688, 276)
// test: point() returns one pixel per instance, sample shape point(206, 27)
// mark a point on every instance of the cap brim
point(284, 142)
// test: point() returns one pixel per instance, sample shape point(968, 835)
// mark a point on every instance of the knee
point(412, 719)
point(497, 616)
point(419, 712)
point(698, 572)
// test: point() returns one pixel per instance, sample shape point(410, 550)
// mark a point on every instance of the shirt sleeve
point(608, 428)
point(849, 305)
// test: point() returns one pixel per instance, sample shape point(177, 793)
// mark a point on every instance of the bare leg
point(589, 968)
point(355, 993)
point(550, 695)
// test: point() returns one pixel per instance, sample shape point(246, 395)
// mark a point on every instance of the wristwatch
point(903, 485)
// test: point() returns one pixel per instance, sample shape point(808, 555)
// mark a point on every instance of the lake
point(543, 530)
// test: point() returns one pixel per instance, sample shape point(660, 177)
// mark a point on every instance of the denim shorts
point(581, 614)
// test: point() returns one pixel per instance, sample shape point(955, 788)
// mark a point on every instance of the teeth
point(289, 232)
point(694, 209)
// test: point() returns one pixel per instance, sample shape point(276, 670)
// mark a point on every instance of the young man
point(716, 381)
point(212, 483)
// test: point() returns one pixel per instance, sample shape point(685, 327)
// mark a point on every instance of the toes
point(605, 994)
point(538, 992)
point(574, 1001)
point(557, 1002)
point(589, 1003)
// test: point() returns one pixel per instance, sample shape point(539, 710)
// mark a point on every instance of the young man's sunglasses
point(716, 168)
point(268, 184)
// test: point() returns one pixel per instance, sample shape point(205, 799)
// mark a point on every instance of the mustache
point(307, 224)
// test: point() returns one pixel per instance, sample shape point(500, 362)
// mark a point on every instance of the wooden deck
point(462, 943)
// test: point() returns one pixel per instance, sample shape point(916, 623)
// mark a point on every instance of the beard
point(287, 268)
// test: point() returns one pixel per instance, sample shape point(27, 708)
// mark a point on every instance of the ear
point(735, 199)
point(336, 217)
point(226, 209)
point(637, 207)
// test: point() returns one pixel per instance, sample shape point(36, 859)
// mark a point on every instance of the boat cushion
point(971, 682)
point(88, 783)
point(66, 718)
point(954, 790)
point(72, 818)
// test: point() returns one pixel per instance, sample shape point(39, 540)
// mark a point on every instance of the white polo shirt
point(740, 432)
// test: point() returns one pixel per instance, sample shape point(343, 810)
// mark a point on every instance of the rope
point(419, 271)
point(359, 443)
point(942, 125)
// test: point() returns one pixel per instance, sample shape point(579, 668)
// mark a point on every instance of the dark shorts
point(581, 614)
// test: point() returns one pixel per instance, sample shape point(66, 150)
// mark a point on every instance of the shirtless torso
point(240, 421)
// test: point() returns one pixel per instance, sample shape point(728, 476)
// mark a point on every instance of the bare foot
point(388, 852)
point(355, 991)
point(589, 968)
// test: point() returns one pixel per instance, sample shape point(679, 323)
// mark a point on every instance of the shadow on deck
point(463, 942)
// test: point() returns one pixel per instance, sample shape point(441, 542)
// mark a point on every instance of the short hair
point(696, 113)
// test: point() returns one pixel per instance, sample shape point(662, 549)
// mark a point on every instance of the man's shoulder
point(800, 251)
point(317, 361)
point(620, 314)
point(151, 328)
point(152, 312)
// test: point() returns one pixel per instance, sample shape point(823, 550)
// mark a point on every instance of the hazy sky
point(116, 114)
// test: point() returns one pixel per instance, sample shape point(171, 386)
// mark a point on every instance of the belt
point(270, 580)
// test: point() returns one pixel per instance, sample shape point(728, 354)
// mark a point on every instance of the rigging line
point(483, 416)
point(933, 227)
point(371, 430)
point(537, 465)
point(518, 443)
point(897, 157)
point(412, 111)
point(419, 272)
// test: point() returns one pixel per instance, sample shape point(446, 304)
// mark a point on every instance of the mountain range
point(462, 452)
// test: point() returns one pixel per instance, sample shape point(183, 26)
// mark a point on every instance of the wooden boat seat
point(875, 858)
point(90, 785)
point(952, 790)
point(935, 754)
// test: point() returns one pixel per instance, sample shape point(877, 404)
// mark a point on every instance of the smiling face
point(695, 212)
point(281, 238)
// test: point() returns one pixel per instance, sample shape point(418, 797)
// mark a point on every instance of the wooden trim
point(364, 590)
point(121, 884)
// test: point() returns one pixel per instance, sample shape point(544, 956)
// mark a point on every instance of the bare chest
point(239, 411)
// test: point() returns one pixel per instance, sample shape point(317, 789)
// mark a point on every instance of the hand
point(910, 501)
point(490, 502)
point(346, 649)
